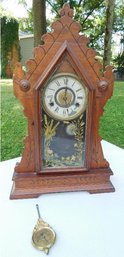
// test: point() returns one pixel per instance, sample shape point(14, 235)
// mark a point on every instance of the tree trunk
point(39, 17)
point(108, 32)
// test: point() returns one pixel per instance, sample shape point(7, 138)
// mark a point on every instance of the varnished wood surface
point(33, 185)
point(64, 50)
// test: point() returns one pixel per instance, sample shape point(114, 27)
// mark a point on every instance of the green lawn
point(14, 124)
point(13, 129)
point(112, 121)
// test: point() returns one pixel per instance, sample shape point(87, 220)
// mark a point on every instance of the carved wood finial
point(103, 85)
point(66, 10)
point(24, 85)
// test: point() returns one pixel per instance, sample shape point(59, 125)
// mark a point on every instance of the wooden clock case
point(64, 50)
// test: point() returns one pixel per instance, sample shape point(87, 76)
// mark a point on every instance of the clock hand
point(65, 96)
point(66, 89)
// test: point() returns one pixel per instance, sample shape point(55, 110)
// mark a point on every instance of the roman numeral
point(64, 112)
point(80, 97)
point(50, 96)
point(78, 90)
point(51, 89)
point(57, 109)
point(58, 84)
point(73, 84)
point(66, 81)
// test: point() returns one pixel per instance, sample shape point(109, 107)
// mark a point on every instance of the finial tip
point(66, 10)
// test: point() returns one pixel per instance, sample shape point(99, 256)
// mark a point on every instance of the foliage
point(6, 13)
point(118, 28)
point(88, 13)
point(14, 124)
point(119, 16)
point(26, 24)
point(9, 38)
point(108, 33)
point(119, 62)
point(92, 17)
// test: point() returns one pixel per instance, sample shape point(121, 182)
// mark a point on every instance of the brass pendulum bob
point(43, 236)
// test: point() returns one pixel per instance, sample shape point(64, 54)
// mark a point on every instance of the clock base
point(26, 185)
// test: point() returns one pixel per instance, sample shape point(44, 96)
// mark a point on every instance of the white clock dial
point(64, 97)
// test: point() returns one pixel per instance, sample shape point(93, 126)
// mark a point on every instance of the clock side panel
point(27, 162)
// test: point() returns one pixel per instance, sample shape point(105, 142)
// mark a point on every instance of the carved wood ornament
point(64, 52)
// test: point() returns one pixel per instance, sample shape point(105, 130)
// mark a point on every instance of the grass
point(14, 127)
point(112, 121)
point(14, 124)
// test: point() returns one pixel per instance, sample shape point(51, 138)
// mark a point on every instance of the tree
point(119, 16)
point(39, 18)
point(118, 26)
point(90, 14)
point(10, 51)
point(36, 21)
point(108, 32)
point(26, 24)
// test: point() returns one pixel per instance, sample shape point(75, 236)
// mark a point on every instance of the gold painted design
point(79, 135)
point(49, 131)
point(51, 159)
point(50, 128)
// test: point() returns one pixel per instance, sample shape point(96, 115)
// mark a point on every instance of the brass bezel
point(55, 116)
point(41, 225)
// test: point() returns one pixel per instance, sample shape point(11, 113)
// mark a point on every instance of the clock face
point(43, 238)
point(64, 97)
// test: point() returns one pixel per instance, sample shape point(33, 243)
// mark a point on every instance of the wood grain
point(64, 50)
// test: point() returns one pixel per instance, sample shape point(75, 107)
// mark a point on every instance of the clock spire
point(66, 10)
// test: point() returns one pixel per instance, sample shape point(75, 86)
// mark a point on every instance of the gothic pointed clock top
point(66, 10)
point(65, 34)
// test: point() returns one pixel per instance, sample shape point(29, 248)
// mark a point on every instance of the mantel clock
point(63, 94)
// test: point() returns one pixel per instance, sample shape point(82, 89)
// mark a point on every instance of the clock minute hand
point(65, 96)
